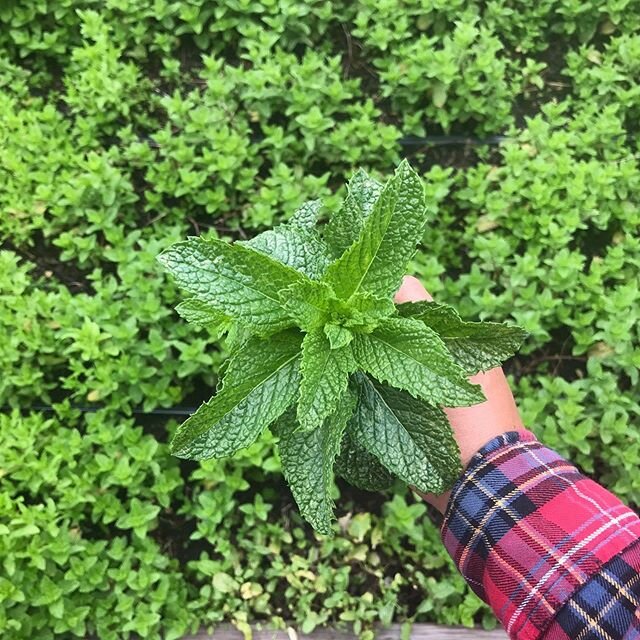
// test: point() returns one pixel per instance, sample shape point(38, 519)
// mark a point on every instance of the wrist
point(474, 426)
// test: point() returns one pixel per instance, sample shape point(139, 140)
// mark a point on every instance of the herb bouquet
point(351, 383)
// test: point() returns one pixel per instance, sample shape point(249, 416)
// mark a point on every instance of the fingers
point(476, 425)
point(411, 290)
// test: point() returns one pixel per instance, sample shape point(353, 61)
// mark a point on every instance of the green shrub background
point(127, 125)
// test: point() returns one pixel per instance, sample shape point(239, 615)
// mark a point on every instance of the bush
point(125, 126)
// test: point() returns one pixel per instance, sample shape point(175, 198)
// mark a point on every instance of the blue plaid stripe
point(608, 606)
point(551, 551)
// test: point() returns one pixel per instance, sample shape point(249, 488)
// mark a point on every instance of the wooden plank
point(418, 632)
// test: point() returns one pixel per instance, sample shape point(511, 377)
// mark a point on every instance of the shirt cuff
point(526, 529)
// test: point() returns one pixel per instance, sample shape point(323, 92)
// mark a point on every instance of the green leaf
point(239, 281)
point(139, 517)
point(377, 261)
point(439, 95)
point(475, 346)
point(307, 462)
point(367, 311)
point(313, 304)
point(337, 335)
point(203, 314)
point(359, 467)
point(344, 226)
point(295, 246)
point(224, 583)
point(309, 303)
point(412, 439)
point(307, 215)
point(409, 355)
point(260, 383)
point(325, 376)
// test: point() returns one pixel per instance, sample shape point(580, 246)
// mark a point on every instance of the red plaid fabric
point(554, 554)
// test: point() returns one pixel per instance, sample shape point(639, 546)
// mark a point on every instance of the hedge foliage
point(127, 125)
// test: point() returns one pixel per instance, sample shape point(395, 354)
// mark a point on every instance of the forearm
point(549, 550)
point(475, 426)
point(553, 553)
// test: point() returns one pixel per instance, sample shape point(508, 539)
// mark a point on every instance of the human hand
point(472, 426)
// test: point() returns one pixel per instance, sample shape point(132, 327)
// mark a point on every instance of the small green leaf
point(475, 346)
point(359, 467)
point(239, 281)
point(313, 304)
point(307, 215)
point(139, 517)
point(377, 261)
point(367, 311)
point(409, 355)
point(224, 583)
point(344, 226)
point(325, 376)
point(439, 95)
point(203, 314)
point(261, 382)
point(309, 303)
point(412, 439)
point(307, 462)
point(295, 246)
point(337, 335)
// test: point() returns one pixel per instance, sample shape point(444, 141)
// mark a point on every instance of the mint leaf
point(296, 243)
point(345, 225)
point(203, 314)
point(260, 383)
point(240, 282)
point(367, 311)
point(314, 304)
point(307, 462)
point(475, 346)
point(359, 467)
point(325, 376)
point(409, 355)
point(294, 246)
point(309, 303)
point(307, 215)
point(412, 439)
point(300, 327)
point(337, 335)
point(377, 261)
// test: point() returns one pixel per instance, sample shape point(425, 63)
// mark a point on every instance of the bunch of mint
point(350, 382)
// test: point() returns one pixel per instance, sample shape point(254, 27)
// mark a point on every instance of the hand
point(472, 426)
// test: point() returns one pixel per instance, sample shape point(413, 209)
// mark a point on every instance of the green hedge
point(127, 125)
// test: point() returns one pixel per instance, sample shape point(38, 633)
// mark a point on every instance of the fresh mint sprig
point(351, 383)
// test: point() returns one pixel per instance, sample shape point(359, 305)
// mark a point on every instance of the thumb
point(411, 290)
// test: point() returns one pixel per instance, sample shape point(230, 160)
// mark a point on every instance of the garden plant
point(128, 126)
point(320, 353)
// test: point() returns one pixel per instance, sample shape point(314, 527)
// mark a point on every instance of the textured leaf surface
point(241, 282)
point(296, 246)
point(368, 310)
point(344, 226)
point(308, 303)
point(307, 215)
point(201, 313)
point(475, 346)
point(409, 355)
point(412, 439)
point(360, 468)
point(325, 376)
point(260, 383)
point(337, 335)
point(307, 462)
point(377, 261)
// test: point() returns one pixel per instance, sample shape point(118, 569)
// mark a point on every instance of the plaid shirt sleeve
point(554, 554)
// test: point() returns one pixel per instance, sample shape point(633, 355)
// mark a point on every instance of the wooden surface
point(418, 632)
